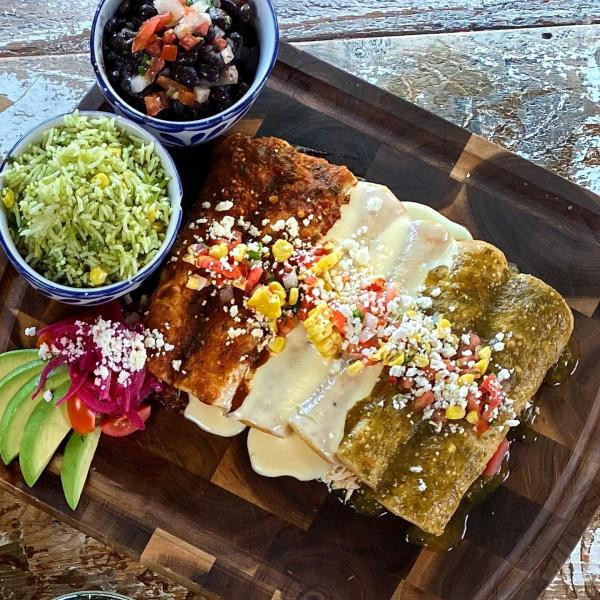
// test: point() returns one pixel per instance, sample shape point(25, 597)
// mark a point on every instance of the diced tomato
point(481, 426)
point(220, 43)
point(449, 365)
point(495, 463)
point(424, 400)
point(203, 28)
point(156, 66)
point(148, 29)
point(473, 403)
point(390, 295)
point(189, 41)
point(169, 37)
point(154, 47)
point(310, 280)
point(204, 261)
point(377, 285)
point(121, 426)
point(252, 279)
point(83, 420)
point(45, 338)
point(234, 273)
point(393, 379)
point(339, 320)
point(155, 103)
point(286, 324)
point(177, 91)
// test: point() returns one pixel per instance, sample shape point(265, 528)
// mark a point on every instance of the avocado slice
point(19, 410)
point(77, 459)
point(11, 383)
point(44, 431)
point(9, 361)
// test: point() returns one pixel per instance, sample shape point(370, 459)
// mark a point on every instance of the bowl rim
point(163, 124)
point(50, 286)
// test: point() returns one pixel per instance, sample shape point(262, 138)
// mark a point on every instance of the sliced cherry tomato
point(189, 41)
point(495, 463)
point(148, 29)
point(154, 47)
point(234, 273)
point(122, 426)
point(156, 66)
point(210, 263)
point(253, 278)
point(155, 103)
point(83, 420)
point(220, 43)
point(339, 320)
point(481, 426)
point(473, 403)
point(169, 52)
point(424, 400)
point(377, 285)
point(177, 91)
point(310, 280)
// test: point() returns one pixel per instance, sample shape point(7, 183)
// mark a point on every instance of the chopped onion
point(169, 6)
point(226, 294)
point(139, 83)
point(290, 280)
point(202, 94)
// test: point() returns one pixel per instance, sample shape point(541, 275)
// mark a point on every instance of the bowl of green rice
point(90, 205)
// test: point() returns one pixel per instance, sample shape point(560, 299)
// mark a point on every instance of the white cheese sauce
point(211, 418)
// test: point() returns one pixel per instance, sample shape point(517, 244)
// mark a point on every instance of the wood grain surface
point(188, 505)
point(44, 70)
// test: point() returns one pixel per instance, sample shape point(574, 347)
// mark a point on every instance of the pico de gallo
point(105, 358)
point(181, 60)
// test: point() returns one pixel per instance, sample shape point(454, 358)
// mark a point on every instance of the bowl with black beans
point(187, 70)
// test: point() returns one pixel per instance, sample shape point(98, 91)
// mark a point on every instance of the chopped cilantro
point(255, 254)
point(357, 314)
point(144, 64)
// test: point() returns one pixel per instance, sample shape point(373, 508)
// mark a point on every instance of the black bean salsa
point(181, 60)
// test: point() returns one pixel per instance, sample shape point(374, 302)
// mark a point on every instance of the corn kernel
point(356, 367)
point(293, 296)
point(97, 275)
point(326, 262)
point(455, 412)
point(482, 365)
point(396, 360)
point(421, 361)
point(277, 344)
point(8, 197)
point(101, 179)
point(485, 353)
point(189, 258)
point(278, 289)
point(240, 252)
point(196, 282)
point(115, 150)
point(472, 417)
point(265, 302)
point(151, 216)
point(282, 250)
point(466, 379)
point(444, 324)
point(219, 250)
point(411, 313)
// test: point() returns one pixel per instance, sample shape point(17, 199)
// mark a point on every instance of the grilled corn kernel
point(485, 353)
point(97, 276)
point(421, 361)
point(396, 360)
point(219, 250)
point(240, 252)
point(101, 179)
point(265, 302)
point(326, 262)
point(482, 365)
point(277, 344)
point(466, 379)
point(278, 289)
point(472, 417)
point(282, 250)
point(455, 412)
point(293, 296)
point(356, 367)
point(8, 197)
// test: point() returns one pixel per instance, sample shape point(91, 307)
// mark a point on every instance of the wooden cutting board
point(187, 503)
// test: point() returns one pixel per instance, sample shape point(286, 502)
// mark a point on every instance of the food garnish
point(88, 205)
point(203, 55)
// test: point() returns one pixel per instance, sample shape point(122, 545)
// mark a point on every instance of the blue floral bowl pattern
point(189, 133)
point(106, 293)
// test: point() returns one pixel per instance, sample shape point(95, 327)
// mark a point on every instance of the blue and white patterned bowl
point(189, 133)
point(106, 293)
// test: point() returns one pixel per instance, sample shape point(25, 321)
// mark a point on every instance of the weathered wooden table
point(524, 73)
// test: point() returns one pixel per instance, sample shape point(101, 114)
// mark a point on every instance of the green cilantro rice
point(88, 205)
